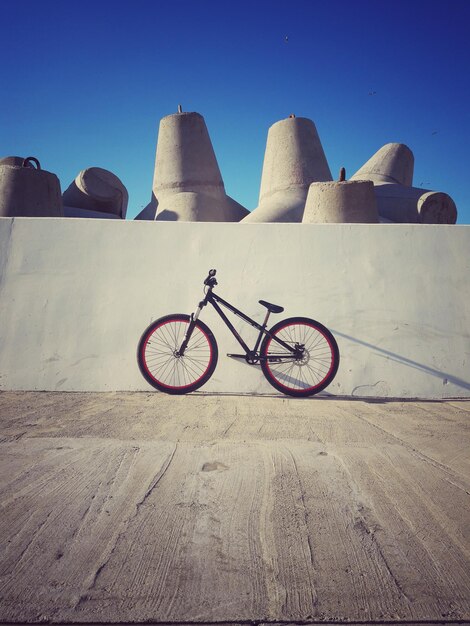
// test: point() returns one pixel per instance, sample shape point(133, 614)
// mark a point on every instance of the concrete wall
point(76, 294)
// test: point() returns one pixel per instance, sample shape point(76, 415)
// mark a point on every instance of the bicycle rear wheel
point(305, 375)
point(158, 358)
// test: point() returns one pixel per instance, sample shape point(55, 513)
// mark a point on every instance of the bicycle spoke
point(191, 368)
point(164, 364)
point(310, 365)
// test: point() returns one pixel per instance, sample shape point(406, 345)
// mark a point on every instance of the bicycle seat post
point(265, 323)
point(263, 328)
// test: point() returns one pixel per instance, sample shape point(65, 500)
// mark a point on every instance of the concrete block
point(97, 189)
point(341, 202)
point(436, 207)
point(71, 211)
point(187, 183)
point(190, 206)
point(185, 159)
point(393, 163)
point(294, 158)
point(414, 205)
point(284, 206)
point(391, 171)
point(15, 160)
point(26, 191)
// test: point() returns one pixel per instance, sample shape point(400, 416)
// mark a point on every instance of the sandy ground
point(129, 507)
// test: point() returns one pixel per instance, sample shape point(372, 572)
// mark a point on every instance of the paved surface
point(145, 507)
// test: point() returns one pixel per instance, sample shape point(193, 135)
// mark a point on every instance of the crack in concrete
point(157, 478)
point(309, 540)
point(27, 547)
point(228, 428)
point(370, 534)
point(84, 595)
point(420, 455)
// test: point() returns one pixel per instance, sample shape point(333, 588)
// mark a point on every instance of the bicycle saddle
point(272, 308)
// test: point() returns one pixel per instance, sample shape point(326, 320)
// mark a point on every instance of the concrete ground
point(142, 507)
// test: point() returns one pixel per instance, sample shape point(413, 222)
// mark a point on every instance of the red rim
point(144, 361)
point(305, 389)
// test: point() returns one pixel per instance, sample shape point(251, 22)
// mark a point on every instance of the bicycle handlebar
point(210, 280)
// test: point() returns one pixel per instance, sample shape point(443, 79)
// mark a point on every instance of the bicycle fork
point(192, 323)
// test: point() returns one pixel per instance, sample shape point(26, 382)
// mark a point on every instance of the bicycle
point(178, 353)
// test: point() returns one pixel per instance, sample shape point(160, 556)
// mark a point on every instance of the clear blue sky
point(86, 83)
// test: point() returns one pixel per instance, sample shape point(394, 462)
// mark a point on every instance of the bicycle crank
point(250, 357)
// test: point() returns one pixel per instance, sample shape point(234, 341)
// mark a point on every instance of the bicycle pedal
point(237, 356)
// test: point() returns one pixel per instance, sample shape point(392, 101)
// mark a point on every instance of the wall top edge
point(200, 225)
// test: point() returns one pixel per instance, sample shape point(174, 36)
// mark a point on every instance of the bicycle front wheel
point(312, 369)
point(160, 363)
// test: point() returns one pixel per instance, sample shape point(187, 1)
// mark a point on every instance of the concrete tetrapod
point(391, 170)
point(15, 160)
point(414, 205)
point(187, 184)
point(28, 191)
point(294, 158)
point(96, 191)
point(393, 163)
point(341, 202)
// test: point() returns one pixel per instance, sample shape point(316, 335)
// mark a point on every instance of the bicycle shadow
point(402, 360)
point(445, 377)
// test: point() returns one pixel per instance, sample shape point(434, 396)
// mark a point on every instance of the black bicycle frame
point(215, 300)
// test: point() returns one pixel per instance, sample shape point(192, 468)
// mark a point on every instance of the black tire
point(167, 372)
point(306, 376)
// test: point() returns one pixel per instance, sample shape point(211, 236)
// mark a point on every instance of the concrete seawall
point(76, 294)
